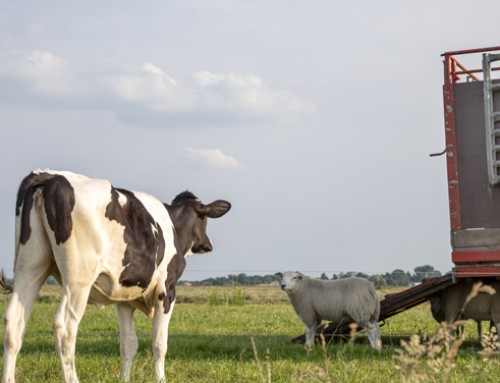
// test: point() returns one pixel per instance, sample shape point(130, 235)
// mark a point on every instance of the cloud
point(214, 158)
point(146, 93)
point(153, 88)
point(39, 71)
point(206, 93)
point(248, 93)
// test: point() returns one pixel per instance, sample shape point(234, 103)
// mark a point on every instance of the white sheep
point(450, 304)
point(340, 301)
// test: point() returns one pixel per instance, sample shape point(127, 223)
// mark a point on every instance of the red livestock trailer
point(472, 128)
point(471, 99)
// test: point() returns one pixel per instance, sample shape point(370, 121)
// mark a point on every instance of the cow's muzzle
point(200, 249)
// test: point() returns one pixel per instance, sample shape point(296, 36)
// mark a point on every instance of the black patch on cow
point(144, 238)
point(59, 201)
point(177, 264)
point(174, 271)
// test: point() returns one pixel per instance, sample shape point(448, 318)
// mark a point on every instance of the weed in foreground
point(423, 359)
point(259, 364)
point(489, 354)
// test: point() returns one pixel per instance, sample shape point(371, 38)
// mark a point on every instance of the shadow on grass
point(223, 347)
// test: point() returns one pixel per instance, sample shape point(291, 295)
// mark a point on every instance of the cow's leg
point(32, 268)
point(16, 317)
point(65, 325)
point(128, 338)
point(160, 338)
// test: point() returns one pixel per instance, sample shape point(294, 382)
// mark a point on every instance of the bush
point(236, 297)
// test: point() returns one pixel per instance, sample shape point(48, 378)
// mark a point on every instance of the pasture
point(240, 334)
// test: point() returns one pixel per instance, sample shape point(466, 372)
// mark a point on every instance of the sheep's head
point(289, 279)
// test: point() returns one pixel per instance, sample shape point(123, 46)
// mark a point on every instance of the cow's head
point(189, 217)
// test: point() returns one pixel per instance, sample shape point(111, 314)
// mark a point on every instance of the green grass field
point(241, 335)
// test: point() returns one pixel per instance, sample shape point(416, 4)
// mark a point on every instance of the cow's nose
point(202, 248)
point(208, 247)
point(283, 287)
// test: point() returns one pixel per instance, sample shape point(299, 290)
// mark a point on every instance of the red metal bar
point(454, 74)
point(475, 256)
point(451, 143)
point(468, 51)
point(466, 71)
point(479, 271)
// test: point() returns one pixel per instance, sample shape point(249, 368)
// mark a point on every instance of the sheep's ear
point(279, 275)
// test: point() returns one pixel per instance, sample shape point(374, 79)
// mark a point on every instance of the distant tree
point(362, 275)
point(426, 271)
point(378, 280)
point(349, 274)
point(398, 278)
point(242, 279)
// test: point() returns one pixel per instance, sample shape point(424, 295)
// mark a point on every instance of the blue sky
point(314, 119)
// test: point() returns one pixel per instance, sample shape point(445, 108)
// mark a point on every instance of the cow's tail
point(6, 286)
point(25, 203)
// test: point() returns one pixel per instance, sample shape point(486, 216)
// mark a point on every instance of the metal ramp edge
point(391, 305)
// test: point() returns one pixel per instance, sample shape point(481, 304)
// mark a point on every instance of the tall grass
point(234, 297)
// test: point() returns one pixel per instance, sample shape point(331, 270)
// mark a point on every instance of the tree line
point(397, 277)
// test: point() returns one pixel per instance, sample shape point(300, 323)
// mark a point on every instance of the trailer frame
point(475, 250)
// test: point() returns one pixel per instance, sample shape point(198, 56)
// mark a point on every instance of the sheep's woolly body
point(449, 304)
point(349, 299)
point(343, 300)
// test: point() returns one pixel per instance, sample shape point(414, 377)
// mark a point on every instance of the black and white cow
point(104, 245)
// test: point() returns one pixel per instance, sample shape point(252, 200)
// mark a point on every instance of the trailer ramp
point(391, 305)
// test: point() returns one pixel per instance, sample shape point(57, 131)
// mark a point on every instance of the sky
point(315, 119)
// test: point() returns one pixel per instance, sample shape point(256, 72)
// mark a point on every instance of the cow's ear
point(216, 209)
point(279, 275)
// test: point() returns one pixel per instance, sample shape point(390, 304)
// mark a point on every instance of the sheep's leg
point(495, 319)
point(497, 326)
point(479, 331)
point(310, 335)
point(373, 332)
